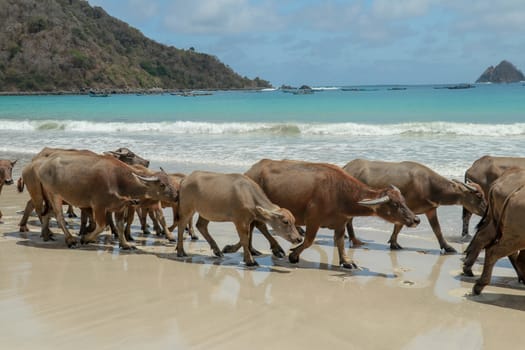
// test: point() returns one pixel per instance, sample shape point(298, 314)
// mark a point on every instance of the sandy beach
point(98, 296)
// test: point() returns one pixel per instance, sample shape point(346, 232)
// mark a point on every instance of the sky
point(336, 42)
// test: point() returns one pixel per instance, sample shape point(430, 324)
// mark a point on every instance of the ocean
point(228, 131)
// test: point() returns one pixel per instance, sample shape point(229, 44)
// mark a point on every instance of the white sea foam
point(203, 128)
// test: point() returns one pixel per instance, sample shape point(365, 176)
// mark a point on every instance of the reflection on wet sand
point(98, 296)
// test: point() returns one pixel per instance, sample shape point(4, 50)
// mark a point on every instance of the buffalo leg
point(277, 250)
point(393, 238)
point(159, 217)
point(99, 216)
point(492, 255)
point(71, 212)
point(434, 223)
point(466, 215)
point(27, 211)
point(356, 242)
point(309, 237)
point(184, 219)
point(518, 262)
point(143, 214)
point(481, 240)
point(339, 241)
point(56, 203)
point(243, 229)
point(202, 226)
point(120, 217)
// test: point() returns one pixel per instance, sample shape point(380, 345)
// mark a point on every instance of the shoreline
point(100, 296)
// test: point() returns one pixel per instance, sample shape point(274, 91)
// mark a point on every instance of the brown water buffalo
point(122, 154)
point(323, 195)
point(484, 172)
point(230, 197)
point(127, 156)
point(28, 179)
point(501, 230)
point(6, 174)
point(424, 191)
point(100, 183)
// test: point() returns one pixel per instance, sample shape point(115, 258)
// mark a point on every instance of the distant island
point(505, 72)
point(70, 46)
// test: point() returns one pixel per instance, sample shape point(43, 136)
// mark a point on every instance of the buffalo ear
point(265, 213)
point(14, 162)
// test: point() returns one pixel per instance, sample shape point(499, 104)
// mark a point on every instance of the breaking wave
point(285, 129)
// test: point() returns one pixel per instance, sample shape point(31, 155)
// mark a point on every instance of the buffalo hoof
point(181, 254)
point(356, 242)
point(128, 247)
point(467, 271)
point(146, 232)
point(24, 228)
point(278, 253)
point(450, 250)
point(194, 237)
point(476, 290)
point(217, 252)
point(229, 249)
point(395, 246)
point(349, 265)
point(293, 258)
point(72, 215)
point(252, 263)
point(72, 244)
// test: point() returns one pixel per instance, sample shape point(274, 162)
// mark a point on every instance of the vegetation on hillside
point(68, 45)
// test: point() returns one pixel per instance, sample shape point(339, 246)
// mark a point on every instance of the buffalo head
point(471, 197)
point(391, 206)
point(127, 156)
point(6, 171)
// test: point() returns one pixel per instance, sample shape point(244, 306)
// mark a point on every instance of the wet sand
point(100, 297)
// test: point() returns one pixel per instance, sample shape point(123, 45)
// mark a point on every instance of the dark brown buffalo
point(484, 172)
point(100, 183)
point(323, 195)
point(230, 198)
point(501, 230)
point(424, 191)
point(6, 174)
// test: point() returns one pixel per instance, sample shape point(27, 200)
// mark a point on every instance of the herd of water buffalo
point(285, 194)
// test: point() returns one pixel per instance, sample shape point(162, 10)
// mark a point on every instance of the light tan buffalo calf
point(234, 198)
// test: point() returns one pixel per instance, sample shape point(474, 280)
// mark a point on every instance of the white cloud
point(219, 17)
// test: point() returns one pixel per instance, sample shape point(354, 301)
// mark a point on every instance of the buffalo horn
point(369, 202)
point(469, 187)
point(147, 178)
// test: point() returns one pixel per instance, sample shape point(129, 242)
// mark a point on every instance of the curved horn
point(146, 178)
point(370, 202)
point(467, 186)
point(394, 187)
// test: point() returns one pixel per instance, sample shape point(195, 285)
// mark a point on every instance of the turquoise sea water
point(445, 129)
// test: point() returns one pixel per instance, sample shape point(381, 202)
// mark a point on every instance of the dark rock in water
point(505, 72)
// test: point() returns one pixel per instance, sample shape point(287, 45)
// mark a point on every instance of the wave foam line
point(337, 129)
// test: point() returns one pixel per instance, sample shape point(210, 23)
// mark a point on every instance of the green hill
point(68, 45)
